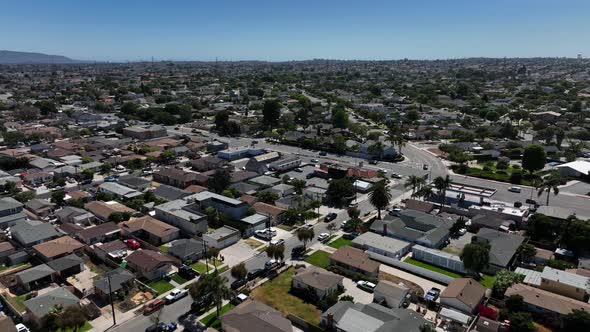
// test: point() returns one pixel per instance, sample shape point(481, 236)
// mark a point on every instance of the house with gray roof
point(11, 212)
point(222, 237)
point(415, 227)
point(118, 190)
point(170, 193)
point(31, 232)
point(187, 249)
point(254, 316)
point(38, 307)
point(253, 223)
point(503, 247)
point(389, 294)
point(67, 266)
point(565, 283)
point(346, 316)
point(40, 207)
point(382, 245)
point(74, 215)
point(121, 279)
point(319, 280)
point(134, 182)
point(35, 277)
point(180, 214)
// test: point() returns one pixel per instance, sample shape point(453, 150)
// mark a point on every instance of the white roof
point(531, 277)
point(581, 166)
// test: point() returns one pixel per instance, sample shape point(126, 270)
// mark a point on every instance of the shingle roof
point(465, 290)
point(31, 231)
point(170, 193)
point(148, 259)
point(42, 304)
point(503, 246)
point(35, 273)
point(150, 225)
point(254, 316)
point(65, 262)
point(317, 278)
point(184, 247)
point(355, 258)
point(547, 300)
point(118, 276)
point(89, 233)
point(57, 247)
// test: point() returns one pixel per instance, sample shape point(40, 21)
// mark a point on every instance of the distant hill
point(12, 57)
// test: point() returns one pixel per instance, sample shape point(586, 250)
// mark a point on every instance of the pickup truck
point(176, 294)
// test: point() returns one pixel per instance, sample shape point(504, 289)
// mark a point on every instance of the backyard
point(160, 286)
point(319, 258)
point(276, 293)
point(212, 320)
point(486, 281)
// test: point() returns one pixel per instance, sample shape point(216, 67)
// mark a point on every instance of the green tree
point(339, 143)
point(534, 158)
point(514, 303)
point(380, 197)
point(118, 217)
point(214, 285)
point(267, 197)
point(220, 180)
point(340, 118)
point(167, 155)
point(57, 197)
point(72, 318)
point(577, 320)
point(276, 251)
point(457, 226)
point(527, 252)
point(427, 328)
point(339, 191)
point(550, 184)
point(442, 184)
point(239, 271)
point(298, 185)
point(347, 298)
point(521, 322)
point(415, 182)
point(475, 256)
point(25, 196)
point(305, 235)
point(106, 168)
point(576, 235)
point(505, 279)
point(271, 111)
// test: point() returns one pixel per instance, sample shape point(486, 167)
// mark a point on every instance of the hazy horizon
point(275, 31)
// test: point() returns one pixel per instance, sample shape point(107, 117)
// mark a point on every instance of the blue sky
point(130, 30)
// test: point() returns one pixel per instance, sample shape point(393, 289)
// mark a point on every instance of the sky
point(279, 30)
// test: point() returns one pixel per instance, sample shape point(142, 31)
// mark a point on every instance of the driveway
point(237, 253)
point(424, 283)
point(358, 294)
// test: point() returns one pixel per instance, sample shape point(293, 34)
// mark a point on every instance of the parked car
point(315, 161)
point(153, 306)
point(255, 274)
point(277, 242)
point(297, 251)
point(366, 285)
point(201, 303)
point(395, 211)
point(323, 236)
point(396, 176)
point(462, 231)
point(20, 327)
point(309, 175)
point(238, 283)
point(132, 244)
point(323, 153)
point(350, 236)
point(432, 294)
point(86, 181)
point(330, 216)
point(187, 272)
point(425, 167)
point(308, 226)
point(176, 294)
point(373, 162)
point(515, 189)
point(162, 327)
point(240, 298)
point(272, 264)
point(298, 170)
point(111, 179)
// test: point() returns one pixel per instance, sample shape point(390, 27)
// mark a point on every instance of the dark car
point(425, 167)
point(373, 162)
point(255, 274)
point(201, 303)
point(323, 153)
point(86, 181)
point(330, 217)
point(297, 251)
point(238, 283)
point(432, 294)
point(187, 272)
point(350, 236)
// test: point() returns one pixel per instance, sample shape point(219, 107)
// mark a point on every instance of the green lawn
point(161, 286)
point(163, 248)
point(178, 279)
point(17, 301)
point(4, 267)
point(211, 320)
point(84, 328)
point(340, 242)
point(319, 258)
point(276, 293)
point(487, 281)
point(223, 269)
point(200, 267)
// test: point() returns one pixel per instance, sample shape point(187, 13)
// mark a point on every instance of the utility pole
point(111, 300)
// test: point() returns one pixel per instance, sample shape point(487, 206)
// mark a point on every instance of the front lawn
point(212, 320)
point(487, 280)
point(319, 258)
point(200, 267)
point(178, 279)
point(84, 328)
point(160, 286)
point(340, 242)
point(276, 293)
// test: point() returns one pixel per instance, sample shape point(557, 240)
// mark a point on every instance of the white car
point(323, 236)
point(277, 242)
point(462, 231)
point(176, 294)
point(366, 285)
point(20, 327)
point(515, 189)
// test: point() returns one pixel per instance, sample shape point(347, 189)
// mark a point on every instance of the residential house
point(354, 260)
point(39, 307)
point(253, 223)
point(31, 232)
point(170, 193)
point(231, 207)
point(222, 237)
point(276, 214)
point(45, 164)
point(67, 265)
point(181, 214)
point(149, 264)
point(134, 182)
point(320, 281)
point(6, 249)
point(565, 283)
point(382, 245)
point(282, 189)
point(285, 164)
point(187, 250)
point(145, 132)
point(102, 210)
point(178, 178)
point(208, 163)
point(346, 316)
point(390, 295)
point(41, 208)
point(550, 305)
point(74, 215)
point(150, 230)
point(57, 248)
point(99, 233)
point(415, 227)
point(118, 190)
point(463, 294)
point(36, 277)
point(254, 316)
point(113, 281)
point(37, 179)
point(503, 248)
point(11, 212)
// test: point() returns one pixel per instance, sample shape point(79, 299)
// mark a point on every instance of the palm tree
point(442, 184)
point(213, 284)
point(416, 182)
point(305, 235)
point(380, 197)
point(276, 251)
point(424, 192)
point(550, 184)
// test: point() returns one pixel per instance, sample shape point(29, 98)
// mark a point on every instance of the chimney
point(384, 229)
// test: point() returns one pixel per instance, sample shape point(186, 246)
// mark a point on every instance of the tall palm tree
point(276, 251)
point(550, 184)
point(416, 182)
point(380, 197)
point(442, 184)
point(424, 192)
point(305, 235)
point(213, 284)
